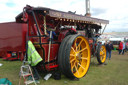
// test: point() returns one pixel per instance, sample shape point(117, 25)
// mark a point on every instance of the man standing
point(120, 47)
point(123, 48)
point(109, 48)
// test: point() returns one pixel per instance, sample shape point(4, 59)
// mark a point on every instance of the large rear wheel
point(74, 56)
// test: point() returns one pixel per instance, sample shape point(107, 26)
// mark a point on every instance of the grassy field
point(114, 73)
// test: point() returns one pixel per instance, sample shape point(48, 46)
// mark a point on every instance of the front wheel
point(74, 56)
point(101, 54)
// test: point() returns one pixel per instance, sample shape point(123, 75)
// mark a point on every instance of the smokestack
point(87, 2)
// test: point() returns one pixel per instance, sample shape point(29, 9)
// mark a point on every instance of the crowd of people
point(109, 48)
point(121, 48)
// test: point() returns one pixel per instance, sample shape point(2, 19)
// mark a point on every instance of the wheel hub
point(78, 56)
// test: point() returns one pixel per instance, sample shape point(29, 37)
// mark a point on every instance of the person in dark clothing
point(109, 48)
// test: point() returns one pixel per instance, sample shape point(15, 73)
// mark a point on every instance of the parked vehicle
point(65, 41)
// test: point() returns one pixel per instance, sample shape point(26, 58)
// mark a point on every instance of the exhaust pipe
point(87, 2)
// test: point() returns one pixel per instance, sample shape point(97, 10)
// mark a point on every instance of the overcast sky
point(116, 11)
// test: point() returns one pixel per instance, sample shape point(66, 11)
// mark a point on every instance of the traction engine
point(65, 41)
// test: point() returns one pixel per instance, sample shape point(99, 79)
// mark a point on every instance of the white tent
point(116, 39)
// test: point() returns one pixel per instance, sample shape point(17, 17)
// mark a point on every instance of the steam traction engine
point(65, 41)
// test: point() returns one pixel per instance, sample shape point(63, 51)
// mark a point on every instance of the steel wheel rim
point(80, 57)
point(102, 54)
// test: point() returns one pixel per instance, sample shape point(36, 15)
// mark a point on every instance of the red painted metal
point(54, 66)
point(12, 38)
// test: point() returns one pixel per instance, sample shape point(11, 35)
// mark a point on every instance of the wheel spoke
point(82, 49)
point(76, 69)
point(101, 58)
point(73, 49)
point(72, 55)
point(79, 44)
point(101, 49)
point(77, 65)
point(101, 54)
point(84, 58)
point(72, 65)
point(72, 68)
point(72, 60)
point(81, 66)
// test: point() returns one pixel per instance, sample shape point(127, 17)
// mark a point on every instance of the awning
point(66, 15)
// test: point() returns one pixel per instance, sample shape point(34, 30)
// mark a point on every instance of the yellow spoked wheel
point(101, 54)
point(80, 57)
point(75, 56)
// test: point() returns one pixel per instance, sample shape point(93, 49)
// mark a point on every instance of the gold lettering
point(56, 14)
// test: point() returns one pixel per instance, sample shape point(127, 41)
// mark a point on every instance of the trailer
point(12, 40)
point(65, 41)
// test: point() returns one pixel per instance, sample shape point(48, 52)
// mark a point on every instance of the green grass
point(114, 73)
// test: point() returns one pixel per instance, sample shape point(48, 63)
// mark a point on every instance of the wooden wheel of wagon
point(101, 54)
point(74, 56)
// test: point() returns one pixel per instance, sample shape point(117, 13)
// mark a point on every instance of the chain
point(45, 26)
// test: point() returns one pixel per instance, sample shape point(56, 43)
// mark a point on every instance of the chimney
point(87, 2)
